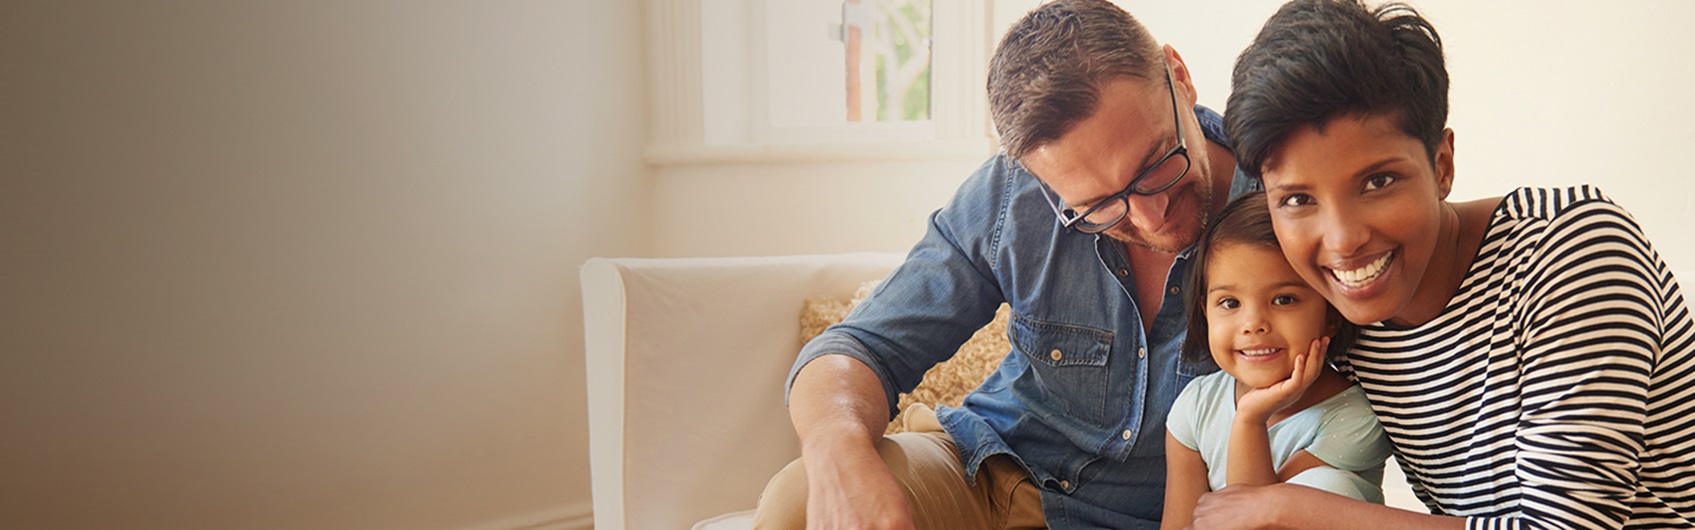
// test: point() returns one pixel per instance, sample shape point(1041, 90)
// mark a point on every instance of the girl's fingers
point(1318, 348)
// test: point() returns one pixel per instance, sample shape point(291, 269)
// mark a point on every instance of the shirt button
point(1126, 435)
point(1056, 355)
point(1174, 290)
point(1064, 484)
point(1141, 353)
point(1123, 272)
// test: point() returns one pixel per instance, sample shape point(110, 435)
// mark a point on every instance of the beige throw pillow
point(944, 384)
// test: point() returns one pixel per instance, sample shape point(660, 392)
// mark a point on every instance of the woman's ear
point(1444, 163)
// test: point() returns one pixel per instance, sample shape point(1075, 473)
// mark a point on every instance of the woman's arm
point(1588, 332)
point(1185, 482)
point(1291, 506)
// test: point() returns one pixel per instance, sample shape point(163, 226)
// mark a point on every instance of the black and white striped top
point(1557, 389)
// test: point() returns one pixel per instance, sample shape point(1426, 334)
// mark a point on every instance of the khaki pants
point(926, 463)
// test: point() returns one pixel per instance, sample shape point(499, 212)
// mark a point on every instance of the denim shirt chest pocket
point(1069, 362)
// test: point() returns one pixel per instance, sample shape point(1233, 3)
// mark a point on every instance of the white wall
point(767, 209)
point(307, 265)
point(1544, 93)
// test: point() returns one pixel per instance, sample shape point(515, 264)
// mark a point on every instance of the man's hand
point(849, 487)
point(839, 411)
point(1259, 404)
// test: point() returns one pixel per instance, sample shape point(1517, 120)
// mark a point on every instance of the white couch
point(686, 364)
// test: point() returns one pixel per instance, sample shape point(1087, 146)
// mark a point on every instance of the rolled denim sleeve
point(933, 302)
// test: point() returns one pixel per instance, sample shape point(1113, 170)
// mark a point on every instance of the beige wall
point(274, 265)
point(1544, 93)
point(307, 265)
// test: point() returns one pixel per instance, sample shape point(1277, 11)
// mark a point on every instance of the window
point(782, 79)
point(833, 62)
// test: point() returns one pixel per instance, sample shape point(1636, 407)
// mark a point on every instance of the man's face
point(1131, 128)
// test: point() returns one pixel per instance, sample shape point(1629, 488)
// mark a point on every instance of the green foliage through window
point(902, 51)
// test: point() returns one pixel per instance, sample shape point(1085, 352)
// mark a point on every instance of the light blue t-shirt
point(1342, 431)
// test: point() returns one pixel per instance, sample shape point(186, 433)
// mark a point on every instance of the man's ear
point(1444, 163)
point(1180, 78)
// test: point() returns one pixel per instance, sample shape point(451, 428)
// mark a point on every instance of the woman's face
point(1359, 210)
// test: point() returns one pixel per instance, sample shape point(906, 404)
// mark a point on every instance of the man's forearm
point(837, 399)
point(839, 409)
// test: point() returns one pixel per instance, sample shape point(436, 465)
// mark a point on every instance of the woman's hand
point(1238, 506)
point(1259, 404)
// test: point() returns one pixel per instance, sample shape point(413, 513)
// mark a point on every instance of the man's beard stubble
point(1202, 194)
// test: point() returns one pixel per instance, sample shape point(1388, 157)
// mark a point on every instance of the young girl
point(1277, 412)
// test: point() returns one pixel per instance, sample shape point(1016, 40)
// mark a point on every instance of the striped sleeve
point(1588, 333)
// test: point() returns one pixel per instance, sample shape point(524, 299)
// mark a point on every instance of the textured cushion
point(944, 384)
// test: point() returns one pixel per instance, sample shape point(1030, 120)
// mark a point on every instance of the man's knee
point(783, 503)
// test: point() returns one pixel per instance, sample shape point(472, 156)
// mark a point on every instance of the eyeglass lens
point(1157, 179)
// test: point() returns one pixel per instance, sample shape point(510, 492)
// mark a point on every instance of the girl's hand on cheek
point(1260, 403)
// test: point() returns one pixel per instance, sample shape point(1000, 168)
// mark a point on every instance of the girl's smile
point(1258, 310)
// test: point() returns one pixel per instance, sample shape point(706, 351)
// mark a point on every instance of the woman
point(1530, 356)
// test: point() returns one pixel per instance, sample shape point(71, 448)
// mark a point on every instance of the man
point(1099, 127)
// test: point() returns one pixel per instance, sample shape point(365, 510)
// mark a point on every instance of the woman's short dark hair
point(1316, 60)
point(1047, 71)
point(1245, 220)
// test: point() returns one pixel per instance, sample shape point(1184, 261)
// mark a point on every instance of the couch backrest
point(686, 364)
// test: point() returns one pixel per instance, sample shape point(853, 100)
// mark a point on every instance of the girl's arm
point(1185, 482)
point(1250, 444)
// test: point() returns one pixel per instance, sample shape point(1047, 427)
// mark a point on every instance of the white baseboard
point(578, 516)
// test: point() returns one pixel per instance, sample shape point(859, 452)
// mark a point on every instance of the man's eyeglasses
point(1158, 177)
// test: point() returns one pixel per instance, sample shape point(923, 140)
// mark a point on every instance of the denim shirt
point(1081, 400)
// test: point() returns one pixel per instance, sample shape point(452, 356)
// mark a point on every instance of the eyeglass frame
point(1181, 149)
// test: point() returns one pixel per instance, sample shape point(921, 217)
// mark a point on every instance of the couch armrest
point(686, 360)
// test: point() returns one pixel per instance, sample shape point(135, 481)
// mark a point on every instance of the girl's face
point(1359, 211)
point(1259, 313)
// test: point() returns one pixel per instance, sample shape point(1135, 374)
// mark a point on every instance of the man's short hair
point(1316, 60)
point(1047, 72)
